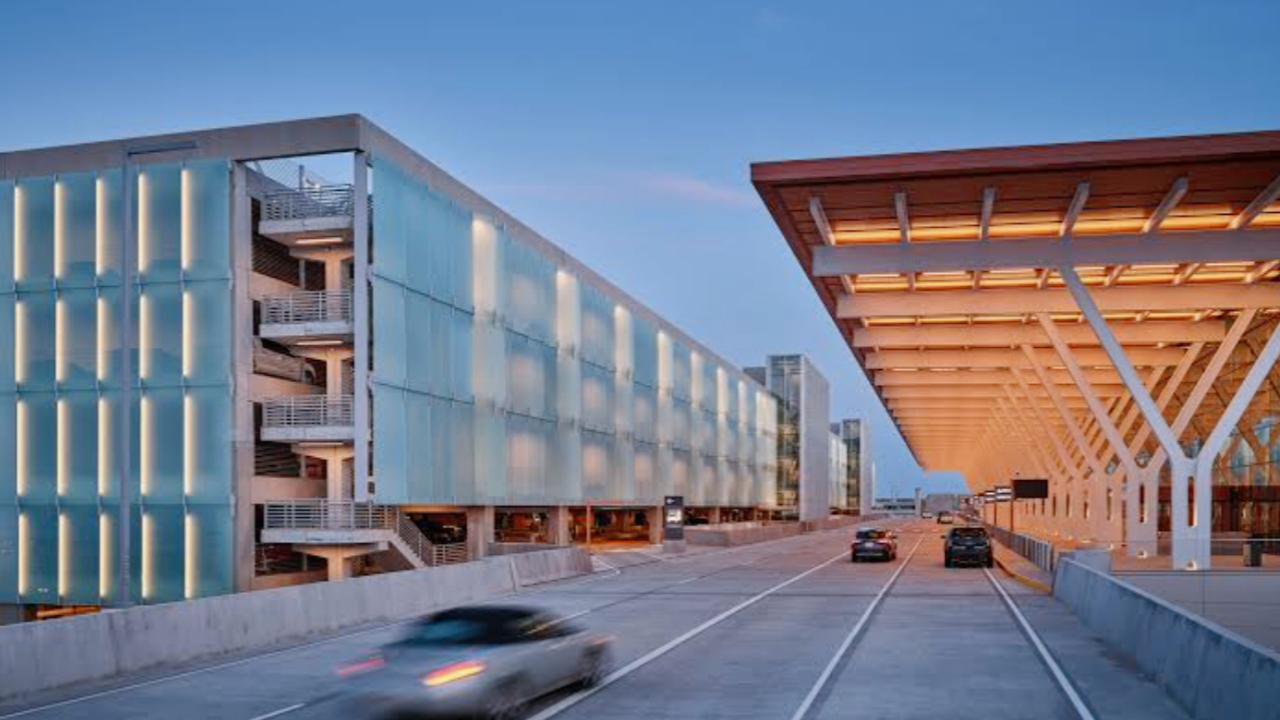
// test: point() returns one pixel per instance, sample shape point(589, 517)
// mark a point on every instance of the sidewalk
point(1022, 569)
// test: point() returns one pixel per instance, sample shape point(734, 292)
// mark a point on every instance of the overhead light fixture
point(319, 343)
point(320, 444)
point(319, 241)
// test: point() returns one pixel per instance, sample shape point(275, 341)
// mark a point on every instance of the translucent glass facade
point(501, 375)
point(61, 310)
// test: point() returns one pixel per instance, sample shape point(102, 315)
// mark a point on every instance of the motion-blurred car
point(926, 515)
point(967, 545)
point(871, 543)
point(475, 662)
point(946, 517)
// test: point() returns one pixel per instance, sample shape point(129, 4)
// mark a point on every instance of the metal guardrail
point(308, 411)
point(305, 307)
point(1040, 552)
point(327, 201)
point(320, 514)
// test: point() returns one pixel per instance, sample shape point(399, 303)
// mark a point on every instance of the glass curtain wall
point(502, 377)
point(61, 309)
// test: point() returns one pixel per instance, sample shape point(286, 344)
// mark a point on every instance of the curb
point(1033, 584)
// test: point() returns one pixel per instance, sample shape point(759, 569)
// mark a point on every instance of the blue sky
point(624, 131)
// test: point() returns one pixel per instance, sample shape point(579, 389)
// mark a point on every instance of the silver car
point(485, 662)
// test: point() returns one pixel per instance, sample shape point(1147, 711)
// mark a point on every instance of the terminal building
point(229, 373)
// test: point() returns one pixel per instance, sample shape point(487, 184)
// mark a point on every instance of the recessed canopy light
point(319, 241)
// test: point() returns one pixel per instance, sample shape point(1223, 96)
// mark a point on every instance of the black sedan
point(873, 544)
point(968, 545)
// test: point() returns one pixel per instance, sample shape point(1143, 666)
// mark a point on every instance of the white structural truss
point(1104, 315)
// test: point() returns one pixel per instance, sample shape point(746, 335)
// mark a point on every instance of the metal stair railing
point(309, 306)
point(320, 514)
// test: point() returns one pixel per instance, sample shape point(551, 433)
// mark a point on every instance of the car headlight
point(452, 673)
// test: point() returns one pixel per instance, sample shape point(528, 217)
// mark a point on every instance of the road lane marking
point(848, 639)
point(278, 713)
point(652, 655)
point(686, 580)
point(1063, 681)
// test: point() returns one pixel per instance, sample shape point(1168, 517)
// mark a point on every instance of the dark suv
point(968, 545)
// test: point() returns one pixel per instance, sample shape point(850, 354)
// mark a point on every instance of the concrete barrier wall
point(1213, 672)
point(1247, 603)
point(42, 655)
point(733, 534)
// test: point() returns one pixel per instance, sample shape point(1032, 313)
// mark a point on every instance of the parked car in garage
point(873, 543)
point(946, 517)
point(968, 546)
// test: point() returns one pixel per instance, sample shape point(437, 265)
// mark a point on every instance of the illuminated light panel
point(103, 340)
point(188, 357)
point(104, 555)
point(19, 341)
point(104, 442)
point(63, 448)
point(319, 241)
point(319, 343)
point(99, 225)
point(184, 212)
point(191, 557)
point(144, 225)
point(24, 554)
point(20, 437)
point(19, 233)
point(64, 555)
point(189, 443)
point(144, 442)
point(148, 561)
point(59, 344)
point(59, 229)
point(144, 336)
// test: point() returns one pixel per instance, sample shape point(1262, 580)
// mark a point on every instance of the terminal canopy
point(1033, 310)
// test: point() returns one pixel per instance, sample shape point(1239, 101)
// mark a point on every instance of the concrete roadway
point(788, 629)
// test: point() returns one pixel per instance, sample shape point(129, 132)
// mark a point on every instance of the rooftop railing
point(327, 201)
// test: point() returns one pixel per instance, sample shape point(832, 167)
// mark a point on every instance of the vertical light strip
point(188, 445)
point(59, 228)
point(64, 555)
point(59, 344)
point(144, 226)
point(103, 339)
point(19, 342)
point(185, 213)
point(148, 544)
point(144, 443)
point(187, 356)
point(144, 335)
point(20, 437)
point(63, 456)
point(189, 574)
point(106, 569)
point(99, 225)
point(104, 442)
point(24, 554)
point(19, 233)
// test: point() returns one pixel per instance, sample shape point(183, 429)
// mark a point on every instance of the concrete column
point(361, 296)
point(558, 525)
point(243, 443)
point(713, 516)
point(340, 568)
point(479, 531)
point(653, 516)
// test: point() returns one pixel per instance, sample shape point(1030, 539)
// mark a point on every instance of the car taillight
point(366, 665)
point(452, 673)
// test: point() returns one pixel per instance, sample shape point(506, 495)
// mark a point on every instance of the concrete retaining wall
point(1213, 672)
point(1246, 602)
point(733, 534)
point(43, 655)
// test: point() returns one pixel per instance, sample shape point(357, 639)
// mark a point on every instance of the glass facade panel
point(33, 234)
point(159, 223)
point(75, 227)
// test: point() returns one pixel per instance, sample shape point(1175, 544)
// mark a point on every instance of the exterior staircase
point(320, 522)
